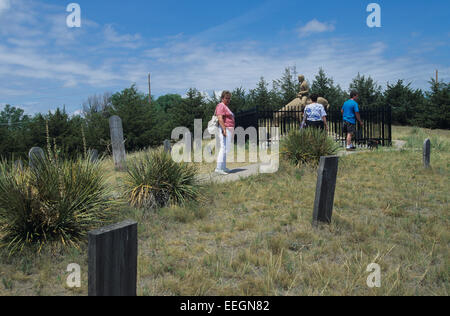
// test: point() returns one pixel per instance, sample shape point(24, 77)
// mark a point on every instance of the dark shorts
point(315, 124)
point(349, 128)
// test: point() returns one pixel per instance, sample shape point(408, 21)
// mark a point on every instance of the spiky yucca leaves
point(54, 201)
point(155, 180)
point(307, 145)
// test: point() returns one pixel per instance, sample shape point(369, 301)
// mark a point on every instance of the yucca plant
point(54, 201)
point(307, 146)
point(155, 180)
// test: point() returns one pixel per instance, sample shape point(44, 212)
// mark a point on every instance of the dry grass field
point(254, 236)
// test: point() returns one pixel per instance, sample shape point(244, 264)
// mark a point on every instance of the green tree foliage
point(239, 100)
point(166, 102)
point(406, 103)
point(138, 117)
point(287, 86)
point(190, 108)
point(96, 110)
point(259, 97)
point(324, 87)
point(14, 132)
point(436, 113)
point(148, 125)
point(65, 132)
point(370, 93)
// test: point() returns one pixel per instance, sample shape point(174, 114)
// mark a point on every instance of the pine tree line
point(148, 125)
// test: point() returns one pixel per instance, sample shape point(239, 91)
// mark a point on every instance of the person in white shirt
point(315, 115)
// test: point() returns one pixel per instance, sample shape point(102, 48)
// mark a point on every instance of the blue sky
point(210, 45)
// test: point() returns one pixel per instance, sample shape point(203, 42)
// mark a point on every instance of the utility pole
point(149, 91)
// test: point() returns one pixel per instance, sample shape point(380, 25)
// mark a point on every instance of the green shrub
point(54, 201)
point(307, 146)
point(155, 180)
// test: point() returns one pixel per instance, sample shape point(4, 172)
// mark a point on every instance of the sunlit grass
point(254, 237)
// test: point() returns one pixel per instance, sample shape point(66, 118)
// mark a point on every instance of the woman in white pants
point(226, 130)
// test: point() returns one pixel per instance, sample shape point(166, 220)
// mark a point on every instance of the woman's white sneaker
point(220, 171)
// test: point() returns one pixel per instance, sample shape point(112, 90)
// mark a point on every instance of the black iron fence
point(377, 127)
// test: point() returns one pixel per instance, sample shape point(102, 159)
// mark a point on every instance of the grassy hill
point(254, 237)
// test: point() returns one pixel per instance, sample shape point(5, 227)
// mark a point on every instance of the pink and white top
point(228, 116)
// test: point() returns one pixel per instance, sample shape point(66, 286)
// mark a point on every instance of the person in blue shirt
point(350, 113)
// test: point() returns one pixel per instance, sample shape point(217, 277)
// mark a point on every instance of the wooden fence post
point(117, 143)
point(326, 184)
point(112, 259)
point(426, 153)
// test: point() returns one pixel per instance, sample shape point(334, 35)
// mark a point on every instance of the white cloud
point(37, 52)
point(179, 66)
point(30, 63)
point(313, 27)
point(77, 112)
point(4, 5)
point(125, 40)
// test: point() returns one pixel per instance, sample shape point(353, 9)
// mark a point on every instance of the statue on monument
point(304, 91)
point(302, 100)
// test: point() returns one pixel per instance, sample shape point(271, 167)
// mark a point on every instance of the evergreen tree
point(137, 117)
point(369, 91)
point(65, 132)
point(405, 102)
point(14, 131)
point(324, 87)
point(436, 113)
point(239, 101)
point(166, 102)
point(13, 116)
point(259, 97)
point(275, 97)
point(191, 107)
point(287, 86)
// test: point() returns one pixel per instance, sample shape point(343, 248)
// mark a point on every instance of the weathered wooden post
point(326, 184)
point(35, 154)
point(93, 155)
point(426, 153)
point(112, 260)
point(117, 143)
point(167, 146)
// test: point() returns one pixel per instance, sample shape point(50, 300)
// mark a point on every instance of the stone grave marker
point(117, 143)
point(34, 155)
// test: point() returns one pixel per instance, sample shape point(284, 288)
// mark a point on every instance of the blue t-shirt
point(350, 107)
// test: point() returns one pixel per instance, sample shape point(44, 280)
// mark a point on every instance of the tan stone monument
point(302, 95)
point(301, 101)
point(324, 102)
